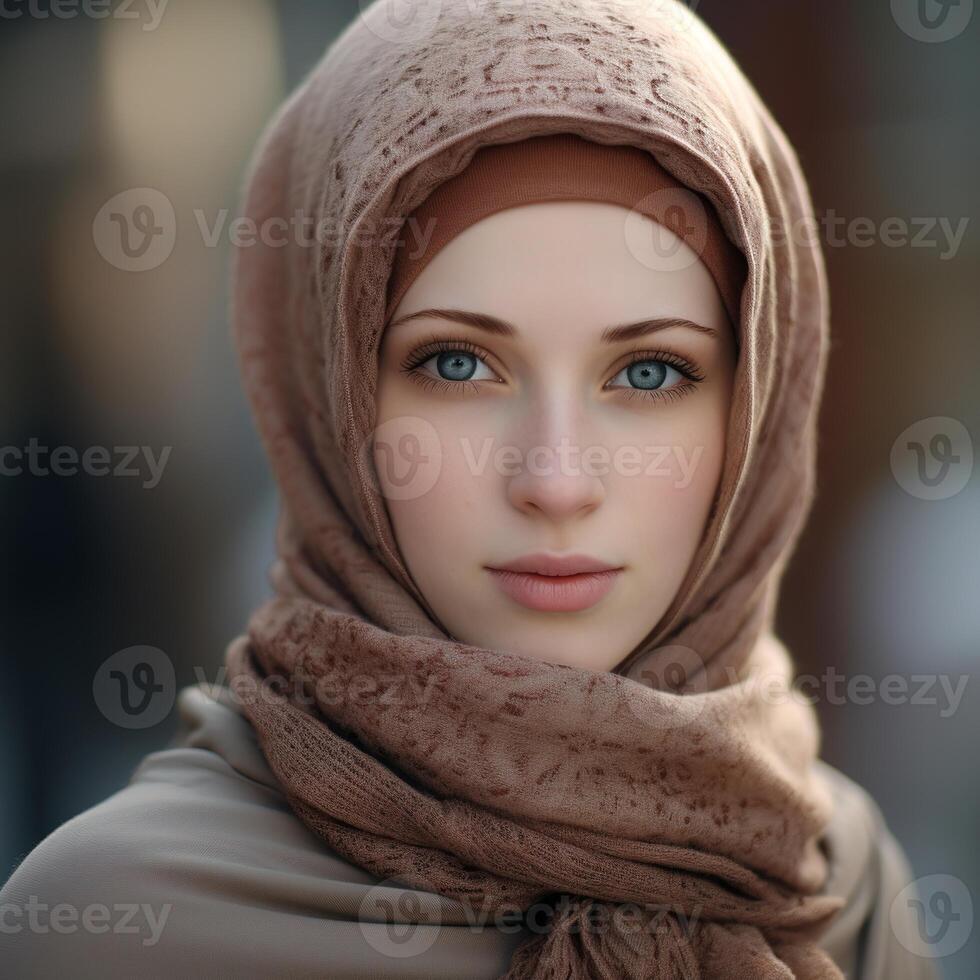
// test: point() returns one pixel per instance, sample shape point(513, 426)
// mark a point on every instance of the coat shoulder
point(199, 855)
point(875, 936)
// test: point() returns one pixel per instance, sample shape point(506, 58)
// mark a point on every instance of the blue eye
point(459, 365)
point(456, 366)
point(650, 375)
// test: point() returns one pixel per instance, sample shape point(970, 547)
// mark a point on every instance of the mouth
point(556, 584)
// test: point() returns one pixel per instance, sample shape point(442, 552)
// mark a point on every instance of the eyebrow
point(611, 335)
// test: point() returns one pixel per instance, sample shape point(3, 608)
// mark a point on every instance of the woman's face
point(512, 423)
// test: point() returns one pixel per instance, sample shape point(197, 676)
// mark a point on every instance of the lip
point(541, 563)
point(556, 583)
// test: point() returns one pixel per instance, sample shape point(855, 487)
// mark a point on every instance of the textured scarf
point(679, 787)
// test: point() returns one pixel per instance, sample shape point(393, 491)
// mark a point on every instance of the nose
point(557, 477)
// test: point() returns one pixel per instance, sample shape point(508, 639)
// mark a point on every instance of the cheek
point(436, 476)
point(667, 494)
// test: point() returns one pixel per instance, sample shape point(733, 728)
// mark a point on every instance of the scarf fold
point(498, 781)
point(667, 812)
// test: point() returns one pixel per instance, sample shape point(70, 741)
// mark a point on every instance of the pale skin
point(643, 419)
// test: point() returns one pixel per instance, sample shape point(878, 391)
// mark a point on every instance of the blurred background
point(881, 107)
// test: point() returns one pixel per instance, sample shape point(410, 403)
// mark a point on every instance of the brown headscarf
point(680, 784)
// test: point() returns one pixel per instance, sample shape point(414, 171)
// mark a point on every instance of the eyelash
point(434, 345)
point(426, 350)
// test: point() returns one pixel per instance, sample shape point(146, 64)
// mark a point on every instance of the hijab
point(564, 167)
point(679, 787)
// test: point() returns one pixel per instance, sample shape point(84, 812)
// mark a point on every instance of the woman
point(511, 716)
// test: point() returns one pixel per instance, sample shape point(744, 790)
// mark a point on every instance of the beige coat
point(201, 866)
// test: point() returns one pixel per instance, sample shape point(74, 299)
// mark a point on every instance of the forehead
point(571, 267)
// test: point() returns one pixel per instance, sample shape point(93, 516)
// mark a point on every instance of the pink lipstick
point(556, 583)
